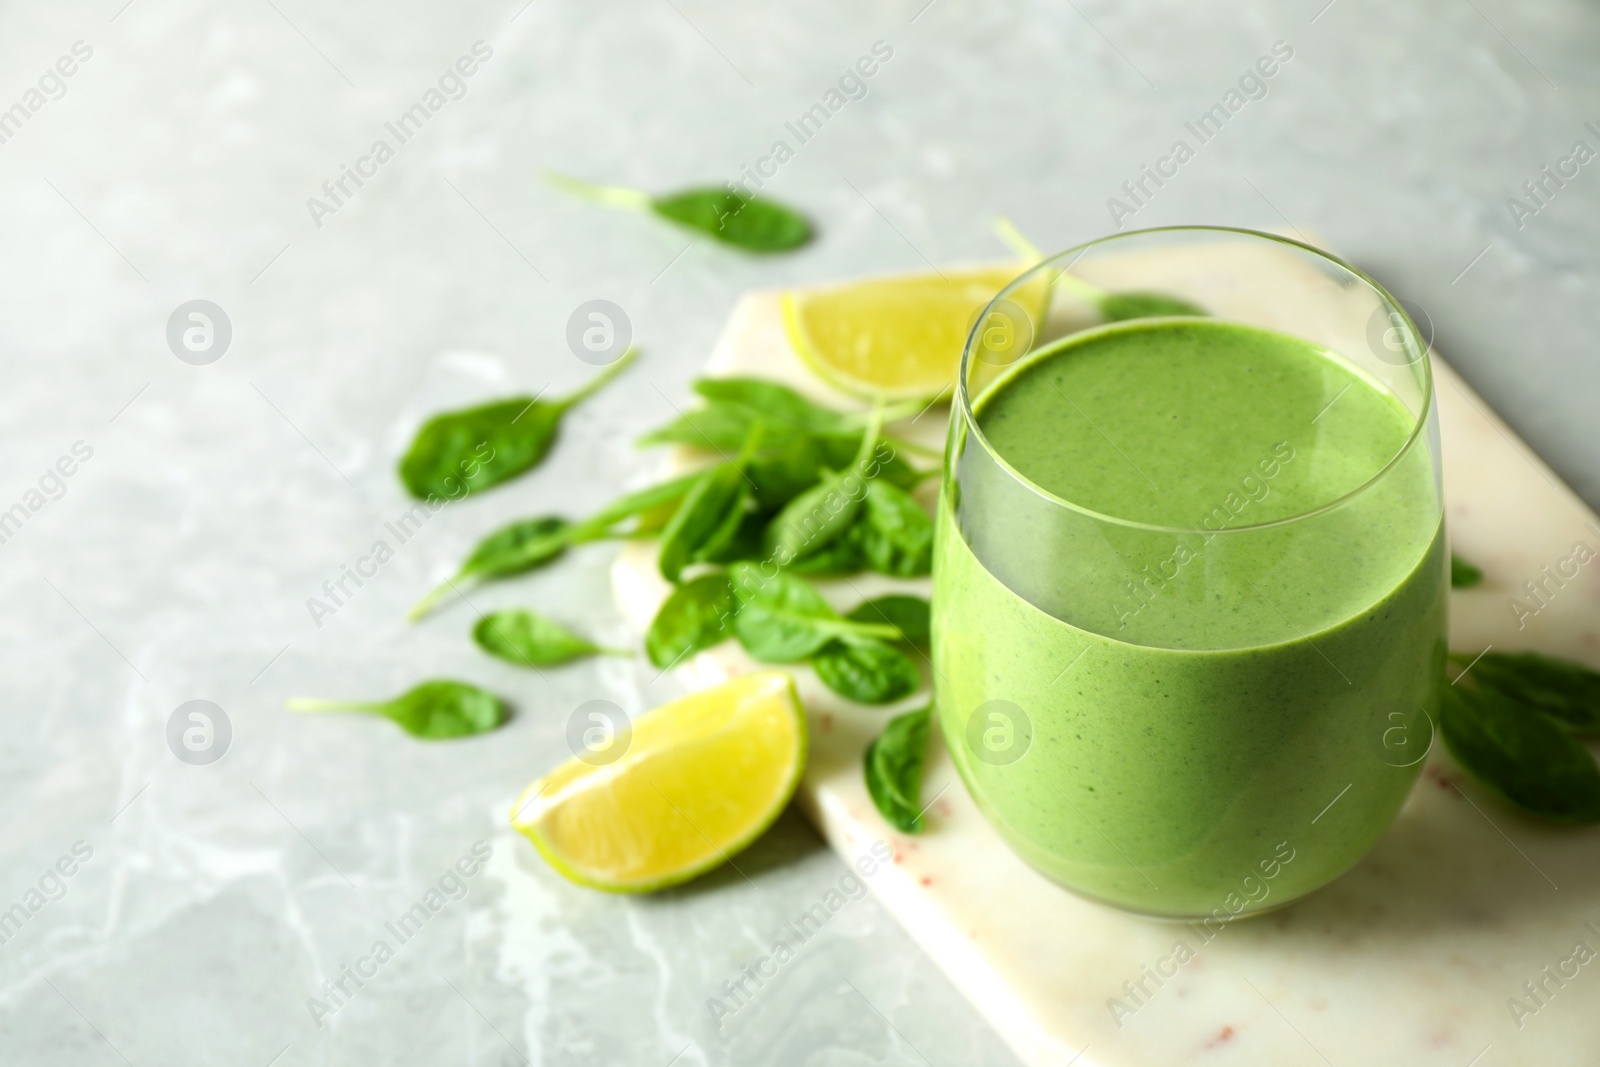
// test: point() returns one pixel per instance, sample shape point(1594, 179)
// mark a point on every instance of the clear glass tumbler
point(1190, 576)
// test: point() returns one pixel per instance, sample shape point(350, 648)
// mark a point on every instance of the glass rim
point(963, 398)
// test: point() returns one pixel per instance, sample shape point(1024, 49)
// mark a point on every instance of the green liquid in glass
point(1199, 681)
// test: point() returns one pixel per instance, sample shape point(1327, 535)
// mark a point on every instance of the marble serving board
point(1417, 957)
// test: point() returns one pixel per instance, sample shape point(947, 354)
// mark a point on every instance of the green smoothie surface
point(1183, 463)
point(1158, 421)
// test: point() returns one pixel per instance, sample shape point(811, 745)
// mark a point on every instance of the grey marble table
point(168, 523)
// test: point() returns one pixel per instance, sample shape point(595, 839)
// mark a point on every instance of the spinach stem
point(1027, 250)
point(891, 412)
point(576, 534)
point(432, 597)
point(1013, 239)
point(839, 627)
point(912, 446)
point(598, 382)
point(307, 704)
point(610, 195)
point(584, 533)
point(869, 436)
point(914, 406)
point(752, 443)
point(634, 503)
point(846, 628)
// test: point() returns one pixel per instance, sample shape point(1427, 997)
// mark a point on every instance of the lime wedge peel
point(696, 782)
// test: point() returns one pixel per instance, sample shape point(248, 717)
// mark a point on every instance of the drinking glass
point(1216, 701)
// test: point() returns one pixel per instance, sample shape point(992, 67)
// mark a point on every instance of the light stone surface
point(178, 562)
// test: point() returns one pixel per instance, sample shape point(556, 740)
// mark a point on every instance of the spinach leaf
point(896, 534)
point(893, 765)
point(842, 557)
point(695, 617)
point(724, 537)
point(436, 709)
point(517, 547)
point(866, 671)
point(530, 640)
point(774, 402)
point(883, 462)
point(822, 514)
point(791, 458)
point(467, 451)
point(892, 470)
point(1463, 575)
point(744, 544)
point(907, 614)
point(528, 543)
point(782, 619)
point(754, 224)
point(1521, 755)
point(1569, 693)
point(783, 472)
point(719, 427)
point(706, 521)
point(777, 616)
point(817, 517)
point(712, 513)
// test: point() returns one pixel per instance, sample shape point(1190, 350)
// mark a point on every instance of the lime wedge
point(693, 783)
point(901, 337)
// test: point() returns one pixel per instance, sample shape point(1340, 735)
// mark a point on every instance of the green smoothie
point(1189, 612)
